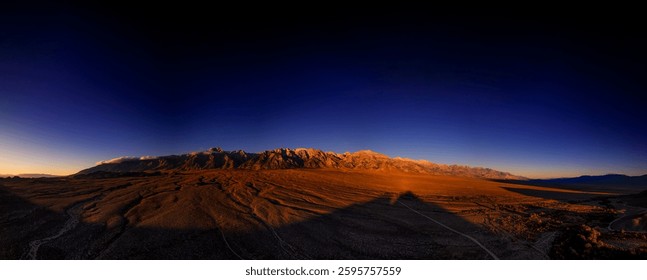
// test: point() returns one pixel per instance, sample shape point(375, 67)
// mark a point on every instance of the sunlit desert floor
point(314, 214)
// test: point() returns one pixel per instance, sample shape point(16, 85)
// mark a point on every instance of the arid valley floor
point(314, 214)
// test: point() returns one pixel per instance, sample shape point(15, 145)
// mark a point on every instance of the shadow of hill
point(382, 228)
point(603, 186)
point(639, 199)
point(22, 222)
point(570, 197)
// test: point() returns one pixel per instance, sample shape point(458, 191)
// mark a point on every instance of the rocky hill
point(216, 158)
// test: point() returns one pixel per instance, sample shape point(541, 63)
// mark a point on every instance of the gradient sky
point(547, 95)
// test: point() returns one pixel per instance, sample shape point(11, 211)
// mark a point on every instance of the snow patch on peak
point(414, 160)
point(147, 157)
point(369, 152)
point(117, 160)
point(124, 159)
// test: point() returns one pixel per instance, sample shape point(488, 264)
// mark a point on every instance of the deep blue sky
point(539, 95)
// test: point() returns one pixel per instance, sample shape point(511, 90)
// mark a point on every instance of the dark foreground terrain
point(314, 214)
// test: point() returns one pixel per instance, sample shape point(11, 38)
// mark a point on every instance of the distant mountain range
point(216, 158)
point(602, 180)
point(30, 175)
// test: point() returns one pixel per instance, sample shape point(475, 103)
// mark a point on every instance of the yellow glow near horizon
point(19, 159)
point(15, 168)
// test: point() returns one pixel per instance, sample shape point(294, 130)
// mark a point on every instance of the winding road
point(626, 216)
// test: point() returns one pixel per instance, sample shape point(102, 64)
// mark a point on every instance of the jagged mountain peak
point(216, 150)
